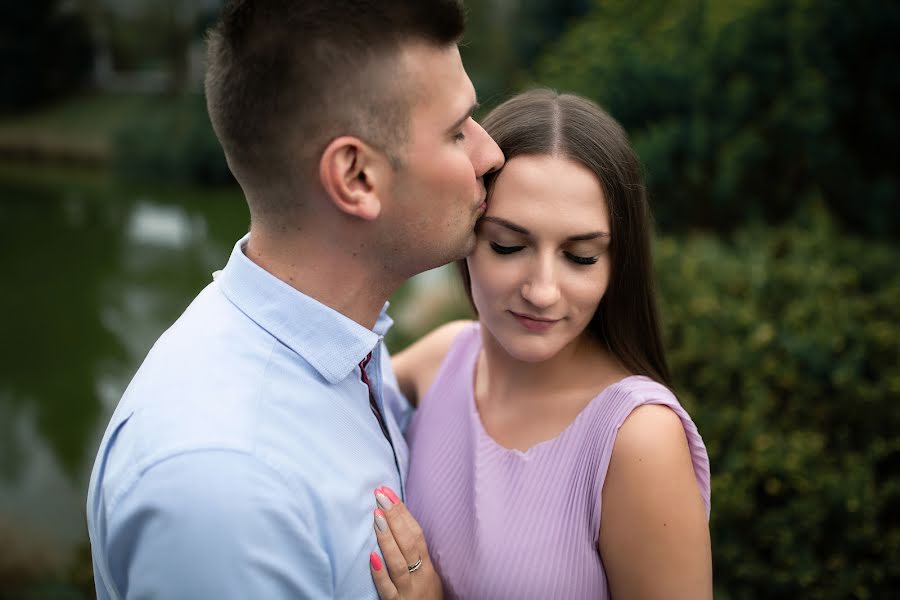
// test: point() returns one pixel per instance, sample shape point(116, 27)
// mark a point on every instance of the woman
point(549, 457)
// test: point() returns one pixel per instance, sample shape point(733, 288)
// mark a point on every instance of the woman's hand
point(409, 574)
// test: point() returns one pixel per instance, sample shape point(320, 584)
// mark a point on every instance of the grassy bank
point(78, 130)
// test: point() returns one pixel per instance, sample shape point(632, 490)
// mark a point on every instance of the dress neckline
point(537, 447)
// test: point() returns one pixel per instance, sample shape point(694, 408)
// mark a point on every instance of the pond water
point(91, 273)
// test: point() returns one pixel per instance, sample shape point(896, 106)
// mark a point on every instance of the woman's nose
point(541, 289)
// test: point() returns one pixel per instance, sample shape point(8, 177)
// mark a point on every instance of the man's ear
point(354, 176)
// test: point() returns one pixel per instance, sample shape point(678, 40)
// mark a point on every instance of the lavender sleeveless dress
point(504, 523)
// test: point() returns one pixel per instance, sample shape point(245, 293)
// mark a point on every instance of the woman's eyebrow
point(507, 224)
point(581, 237)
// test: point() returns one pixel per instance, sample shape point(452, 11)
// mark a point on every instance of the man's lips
point(533, 323)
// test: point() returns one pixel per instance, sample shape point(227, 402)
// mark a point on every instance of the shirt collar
point(330, 342)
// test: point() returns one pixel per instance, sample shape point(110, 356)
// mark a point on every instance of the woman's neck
point(581, 367)
point(521, 404)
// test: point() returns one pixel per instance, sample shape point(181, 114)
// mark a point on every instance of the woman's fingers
point(398, 519)
point(402, 546)
point(397, 565)
point(405, 528)
point(383, 584)
point(414, 537)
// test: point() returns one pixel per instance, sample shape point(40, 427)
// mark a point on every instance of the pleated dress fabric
point(502, 523)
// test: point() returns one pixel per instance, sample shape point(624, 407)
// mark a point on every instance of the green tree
point(748, 109)
point(45, 52)
point(504, 38)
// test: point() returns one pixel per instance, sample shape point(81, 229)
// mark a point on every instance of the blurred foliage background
point(765, 128)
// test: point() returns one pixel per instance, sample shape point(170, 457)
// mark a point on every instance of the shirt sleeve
point(215, 524)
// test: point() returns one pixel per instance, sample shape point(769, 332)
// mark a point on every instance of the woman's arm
point(417, 365)
point(654, 534)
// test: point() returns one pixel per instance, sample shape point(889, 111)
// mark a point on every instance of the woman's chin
point(531, 350)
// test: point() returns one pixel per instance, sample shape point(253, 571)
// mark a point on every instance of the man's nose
point(487, 156)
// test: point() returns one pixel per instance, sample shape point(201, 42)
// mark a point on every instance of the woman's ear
point(355, 176)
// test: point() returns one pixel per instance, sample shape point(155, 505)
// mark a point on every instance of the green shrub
point(784, 345)
point(173, 142)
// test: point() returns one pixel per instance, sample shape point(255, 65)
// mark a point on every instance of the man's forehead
point(430, 64)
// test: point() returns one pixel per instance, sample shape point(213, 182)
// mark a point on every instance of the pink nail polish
point(390, 494)
point(380, 522)
point(375, 561)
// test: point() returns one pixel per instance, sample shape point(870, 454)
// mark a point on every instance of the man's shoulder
point(210, 323)
point(210, 401)
point(207, 385)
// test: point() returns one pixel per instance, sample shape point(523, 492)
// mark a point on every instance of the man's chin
point(461, 247)
point(459, 251)
point(469, 247)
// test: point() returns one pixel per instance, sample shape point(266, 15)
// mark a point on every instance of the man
point(241, 461)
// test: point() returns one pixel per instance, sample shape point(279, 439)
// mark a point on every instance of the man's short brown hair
point(285, 77)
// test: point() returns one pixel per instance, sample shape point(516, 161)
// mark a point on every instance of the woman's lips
point(534, 323)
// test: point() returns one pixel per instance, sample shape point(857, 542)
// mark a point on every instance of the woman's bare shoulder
point(417, 365)
point(653, 517)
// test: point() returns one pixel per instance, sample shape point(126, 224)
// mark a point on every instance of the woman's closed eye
point(575, 258)
point(582, 260)
point(504, 249)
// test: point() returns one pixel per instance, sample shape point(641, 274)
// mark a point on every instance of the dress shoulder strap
point(620, 402)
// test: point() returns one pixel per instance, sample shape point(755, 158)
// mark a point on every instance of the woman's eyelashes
point(579, 260)
point(582, 260)
point(504, 249)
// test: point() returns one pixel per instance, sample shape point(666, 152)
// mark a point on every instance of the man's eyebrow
point(581, 237)
point(464, 118)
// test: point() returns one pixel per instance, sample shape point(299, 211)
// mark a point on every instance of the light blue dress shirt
point(242, 459)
